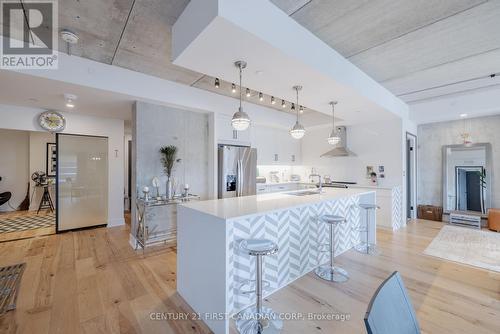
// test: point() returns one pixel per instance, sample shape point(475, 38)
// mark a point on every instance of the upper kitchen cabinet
point(275, 146)
point(227, 135)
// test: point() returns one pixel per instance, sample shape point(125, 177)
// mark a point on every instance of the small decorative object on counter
point(145, 191)
point(373, 178)
point(186, 190)
point(156, 184)
point(169, 158)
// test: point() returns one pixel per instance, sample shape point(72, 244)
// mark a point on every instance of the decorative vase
point(169, 188)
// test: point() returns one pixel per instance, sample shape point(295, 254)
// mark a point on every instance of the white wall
point(14, 165)
point(22, 118)
point(37, 162)
point(433, 136)
point(375, 144)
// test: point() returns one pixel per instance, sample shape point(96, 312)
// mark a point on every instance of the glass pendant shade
point(240, 121)
point(297, 131)
point(333, 139)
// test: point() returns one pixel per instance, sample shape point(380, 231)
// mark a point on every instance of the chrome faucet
point(320, 181)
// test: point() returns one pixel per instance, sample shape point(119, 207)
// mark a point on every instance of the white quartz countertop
point(228, 208)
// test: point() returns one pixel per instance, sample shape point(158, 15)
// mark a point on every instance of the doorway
point(469, 189)
point(411, 175)
point(27, 184)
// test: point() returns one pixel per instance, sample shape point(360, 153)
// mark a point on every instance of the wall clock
point(52, 121)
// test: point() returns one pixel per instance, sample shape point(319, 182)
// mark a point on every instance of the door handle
point(238, 178)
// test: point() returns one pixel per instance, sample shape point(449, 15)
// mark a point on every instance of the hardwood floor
point(91, 281)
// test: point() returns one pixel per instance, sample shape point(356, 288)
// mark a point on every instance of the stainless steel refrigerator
point(237, 171)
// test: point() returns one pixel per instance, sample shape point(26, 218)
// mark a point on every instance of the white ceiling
point(30, 91)
point(238, 30)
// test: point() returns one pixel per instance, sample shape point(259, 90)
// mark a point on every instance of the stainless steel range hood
point(340, 150)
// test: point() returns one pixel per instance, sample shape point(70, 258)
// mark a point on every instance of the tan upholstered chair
point(494, 219)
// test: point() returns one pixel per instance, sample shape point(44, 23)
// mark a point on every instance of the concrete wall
point(432, 137)
point(14, 165)
point(154, 126)
point(22, 118)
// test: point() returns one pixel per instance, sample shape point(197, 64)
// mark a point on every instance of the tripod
point(46, 201)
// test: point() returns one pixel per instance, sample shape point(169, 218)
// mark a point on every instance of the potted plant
point(169, 158)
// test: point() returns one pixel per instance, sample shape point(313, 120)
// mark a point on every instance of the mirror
point(467, 177)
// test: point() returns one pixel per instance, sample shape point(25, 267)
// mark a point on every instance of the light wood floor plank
point(93, 282)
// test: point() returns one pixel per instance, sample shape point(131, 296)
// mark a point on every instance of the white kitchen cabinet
point(262, 140)
point(227, 135)
point(264, 188)
point(275, 146)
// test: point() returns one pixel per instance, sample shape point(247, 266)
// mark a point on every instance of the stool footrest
point(251, 286)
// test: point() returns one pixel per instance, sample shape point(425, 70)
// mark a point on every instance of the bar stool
point(331, 272)
point(258, 319)
point(367, 247)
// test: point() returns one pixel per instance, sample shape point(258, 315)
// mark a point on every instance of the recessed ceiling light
point(463, 115)
point(70, 100)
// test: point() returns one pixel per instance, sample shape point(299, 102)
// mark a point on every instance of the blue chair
point(390, 311)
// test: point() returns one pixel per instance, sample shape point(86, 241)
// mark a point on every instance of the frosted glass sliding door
point(82, 181)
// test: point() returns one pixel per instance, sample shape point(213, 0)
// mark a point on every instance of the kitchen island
point(210, 268)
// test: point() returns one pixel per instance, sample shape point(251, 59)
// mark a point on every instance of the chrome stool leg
point(366, 247)
point(331, 272)
point(258, 319)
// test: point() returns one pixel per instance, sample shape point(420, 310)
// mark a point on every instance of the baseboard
point(132, 241)
point(116, 222)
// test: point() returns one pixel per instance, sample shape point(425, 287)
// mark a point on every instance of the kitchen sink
point(303, 193)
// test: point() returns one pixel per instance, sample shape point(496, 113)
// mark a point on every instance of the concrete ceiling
point(418, 49)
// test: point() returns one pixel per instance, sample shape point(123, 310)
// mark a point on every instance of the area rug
point(26, 222)
point(479, 248)
point(10, 277)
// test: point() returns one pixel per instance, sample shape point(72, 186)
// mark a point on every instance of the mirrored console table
point(157, 220)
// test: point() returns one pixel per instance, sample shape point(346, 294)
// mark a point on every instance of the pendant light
point(333, 139)
point(240, 121)
point(298, 130)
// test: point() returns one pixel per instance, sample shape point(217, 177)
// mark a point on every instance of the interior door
point(82, 181)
